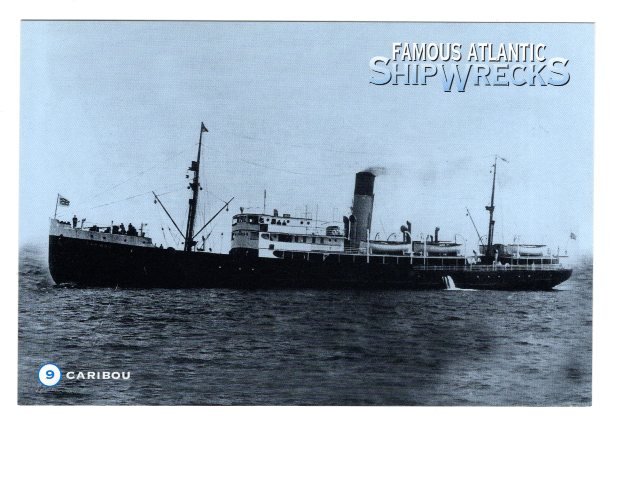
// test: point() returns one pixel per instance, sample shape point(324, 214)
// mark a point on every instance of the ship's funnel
point(362, 206)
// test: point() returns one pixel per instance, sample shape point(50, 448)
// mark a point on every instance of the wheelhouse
point(262, 234)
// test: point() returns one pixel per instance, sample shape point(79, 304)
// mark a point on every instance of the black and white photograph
point(306, 213)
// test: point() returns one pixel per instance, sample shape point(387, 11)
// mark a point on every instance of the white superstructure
point(268, 233)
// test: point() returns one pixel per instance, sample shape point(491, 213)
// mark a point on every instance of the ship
point(273, 250)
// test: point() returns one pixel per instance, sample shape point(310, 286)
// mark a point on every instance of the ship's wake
point(450, 285)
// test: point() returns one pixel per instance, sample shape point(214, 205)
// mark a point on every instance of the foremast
point(189, 243)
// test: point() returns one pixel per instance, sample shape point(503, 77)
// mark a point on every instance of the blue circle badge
point(49, 375)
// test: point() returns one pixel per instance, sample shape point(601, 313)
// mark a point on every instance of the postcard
point(306, 213)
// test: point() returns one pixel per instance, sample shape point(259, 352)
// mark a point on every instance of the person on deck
point(75, 221)
point(122, 229)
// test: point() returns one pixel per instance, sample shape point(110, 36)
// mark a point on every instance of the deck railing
point(418, 262)
point(490, 268)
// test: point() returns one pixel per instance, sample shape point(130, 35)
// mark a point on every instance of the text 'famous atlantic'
point(483, 64)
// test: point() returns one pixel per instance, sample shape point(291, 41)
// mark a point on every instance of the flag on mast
point(62, 201)
point(203, 128)
point(572, 236)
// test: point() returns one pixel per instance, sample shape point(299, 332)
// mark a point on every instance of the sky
point(112, 110)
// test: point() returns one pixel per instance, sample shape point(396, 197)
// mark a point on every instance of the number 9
point(49, 374)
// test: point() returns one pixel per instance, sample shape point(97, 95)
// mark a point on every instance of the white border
point(181, 442)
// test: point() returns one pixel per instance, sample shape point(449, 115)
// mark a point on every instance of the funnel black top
point(364, 183)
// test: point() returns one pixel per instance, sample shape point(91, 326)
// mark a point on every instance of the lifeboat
point(524, 250)
point(387, 248)
point(518, 250)
point(437, 248)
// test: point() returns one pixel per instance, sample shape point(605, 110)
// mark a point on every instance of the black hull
point(100, 264)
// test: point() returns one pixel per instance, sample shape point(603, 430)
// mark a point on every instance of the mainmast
point(490, 208)
point(189, 243)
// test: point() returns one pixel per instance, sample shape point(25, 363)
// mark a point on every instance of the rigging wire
point(211, 245)
point(162, 227)
point(130, 198)
point(156, 165)
point(216, 196)
point(299, 145)
point(293, 172)
point(174, 237)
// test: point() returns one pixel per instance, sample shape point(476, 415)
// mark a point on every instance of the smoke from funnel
point(377, 171)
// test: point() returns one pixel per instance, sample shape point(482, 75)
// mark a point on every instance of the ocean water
point(304, 347)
